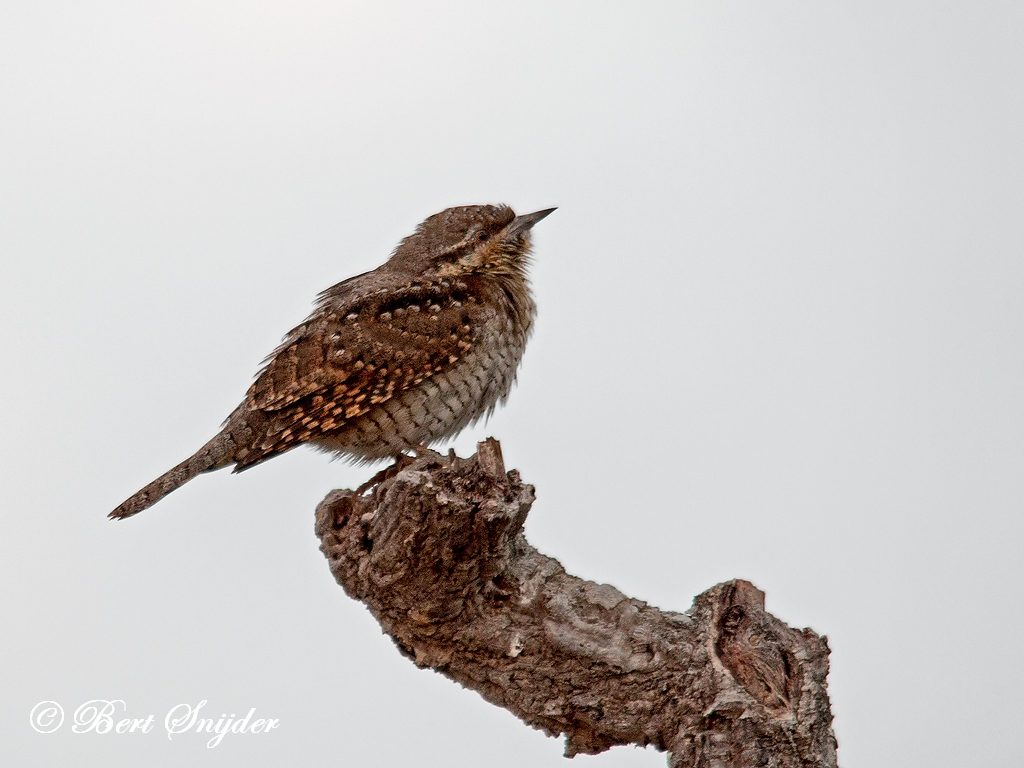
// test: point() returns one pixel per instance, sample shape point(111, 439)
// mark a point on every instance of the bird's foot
point(425, 451)
point(421, 450)
point(402, 460)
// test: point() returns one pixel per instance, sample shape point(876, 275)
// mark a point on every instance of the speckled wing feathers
point(353, 353)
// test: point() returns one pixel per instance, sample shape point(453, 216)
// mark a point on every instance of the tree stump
point(437, 553)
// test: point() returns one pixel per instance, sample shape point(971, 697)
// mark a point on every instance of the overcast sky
point(780, 338)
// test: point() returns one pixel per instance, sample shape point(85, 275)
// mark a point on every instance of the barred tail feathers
point(214, 455)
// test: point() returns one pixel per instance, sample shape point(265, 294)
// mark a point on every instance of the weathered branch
point(437, 553)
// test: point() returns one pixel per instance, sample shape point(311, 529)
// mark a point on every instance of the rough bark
point(436, 552)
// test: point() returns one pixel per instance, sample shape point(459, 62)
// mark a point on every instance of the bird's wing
point(352, 355)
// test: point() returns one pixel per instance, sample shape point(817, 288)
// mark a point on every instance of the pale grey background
point(779, 338)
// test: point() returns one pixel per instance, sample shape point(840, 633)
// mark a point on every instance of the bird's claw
point(402, 460)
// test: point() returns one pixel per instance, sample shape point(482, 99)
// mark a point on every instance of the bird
point(391, 360)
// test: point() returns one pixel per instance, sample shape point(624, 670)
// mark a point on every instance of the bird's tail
point(214, 455)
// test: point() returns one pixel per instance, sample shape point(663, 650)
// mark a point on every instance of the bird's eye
point(482, 236)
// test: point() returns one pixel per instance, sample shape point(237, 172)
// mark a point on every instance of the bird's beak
point(525, 222)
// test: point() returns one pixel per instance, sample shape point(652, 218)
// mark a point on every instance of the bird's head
point(470, 240)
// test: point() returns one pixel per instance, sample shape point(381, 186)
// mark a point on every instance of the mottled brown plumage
point(391, 360)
